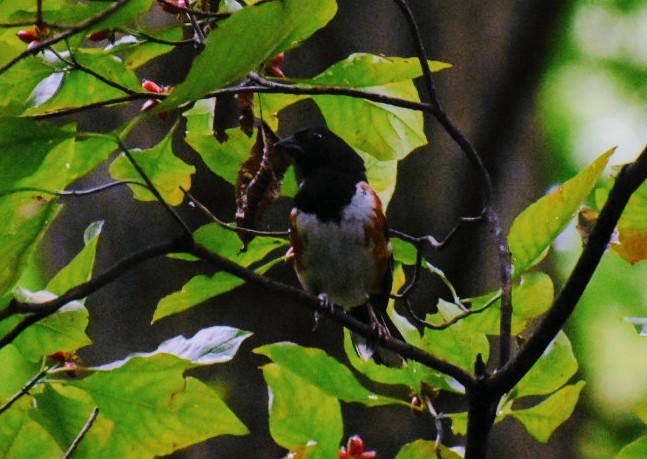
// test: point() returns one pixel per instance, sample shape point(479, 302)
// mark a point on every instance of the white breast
point(338, 257)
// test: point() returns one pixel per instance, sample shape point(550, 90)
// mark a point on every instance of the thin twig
point(84, 431)
point(505, 263)
point(230, 226)
point(97, 189)
point(24, 390)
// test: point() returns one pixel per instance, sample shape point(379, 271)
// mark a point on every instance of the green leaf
point(324, 372)
point(167, 172)
point(404, 252)
point(18, 371)
point(79, 270)
point(459, 423)
point(138, 51)
point(272, 27)
point(227, 244)
point(301, 414)
point(541, 420)
point(62, 331)
point(22, 78)
point(632, 228)
point(553, 369)
point(149, 405)
point(532, 297)
point(74, 88)
point(424, 449)
point(634, 450)
point(202, 288)
point(211, 345)
point(63, 411)
point(534, 230)
point(71, 12)
point(223, 159)
point(27, 219)
point(21, 437)
point(459, 343)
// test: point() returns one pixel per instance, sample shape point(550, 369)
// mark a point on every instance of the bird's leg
point(376, 324)
point(325, 303)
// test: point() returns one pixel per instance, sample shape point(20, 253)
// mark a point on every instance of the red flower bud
point(27, 36)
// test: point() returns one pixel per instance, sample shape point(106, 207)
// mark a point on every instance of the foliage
point(147, 404)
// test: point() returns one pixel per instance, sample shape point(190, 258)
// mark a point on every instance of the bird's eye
point(318, 135)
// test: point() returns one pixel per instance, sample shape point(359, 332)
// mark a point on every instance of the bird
point(339, 237)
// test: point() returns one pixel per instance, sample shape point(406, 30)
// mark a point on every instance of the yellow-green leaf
point(167, 172)
point(535, 229)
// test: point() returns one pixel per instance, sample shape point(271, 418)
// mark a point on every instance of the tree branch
point(302, 297)
point(37, 312)
point(437, 110)
point(84, 431)
point(627, 182)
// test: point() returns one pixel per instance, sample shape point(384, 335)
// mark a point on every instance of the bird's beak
point(290, 145)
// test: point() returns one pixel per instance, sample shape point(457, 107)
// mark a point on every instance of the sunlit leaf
point(541, 420)
point(532, 297)
point(62, 331)
point(535, 229)
point(22, 437)
point(324, 372)
point(79, 270)
point(301, 414)
point(22, 371)
point(149, 405)
point(632, 226)
point(167, 172)
point(272, 27)
point(459, 343)
point(553, 369)
point(459, 423)
point(74, 88)
point(137, 52)
point(201, 288)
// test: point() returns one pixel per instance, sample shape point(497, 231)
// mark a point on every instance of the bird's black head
point(317, 149)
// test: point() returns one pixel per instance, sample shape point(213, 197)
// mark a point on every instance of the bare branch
point(24, 390)
point(84, 431)
point(437, 110)
point(230, 226)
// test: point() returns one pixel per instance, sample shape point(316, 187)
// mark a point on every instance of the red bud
point(151, 86)
point(27, 36)
point(100, 35)
point(355, 445)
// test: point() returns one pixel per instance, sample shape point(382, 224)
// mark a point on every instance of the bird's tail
point(367, 348)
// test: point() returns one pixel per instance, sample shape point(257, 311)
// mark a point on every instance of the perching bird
point(339, 236)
